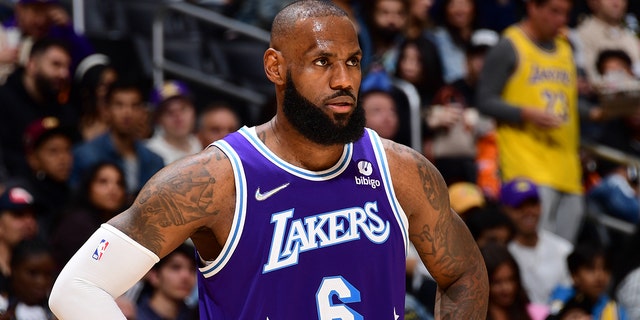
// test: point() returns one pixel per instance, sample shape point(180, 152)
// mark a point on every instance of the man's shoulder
point(13, 86)
point(589, 23)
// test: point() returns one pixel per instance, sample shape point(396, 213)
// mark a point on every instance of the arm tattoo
point(432, 183)
point(459, 263)
point(175, 197)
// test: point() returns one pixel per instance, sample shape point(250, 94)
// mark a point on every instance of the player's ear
point(274, 67)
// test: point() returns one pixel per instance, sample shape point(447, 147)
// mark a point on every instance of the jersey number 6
point(345, 292)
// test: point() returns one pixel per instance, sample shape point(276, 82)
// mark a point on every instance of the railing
point(414, 110)
point(162, 64)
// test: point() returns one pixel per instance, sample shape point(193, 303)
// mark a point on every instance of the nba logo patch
point(102, 247)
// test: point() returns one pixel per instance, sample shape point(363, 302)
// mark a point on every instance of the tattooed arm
point(181, 201)
point(193, 198)
point(443, 241)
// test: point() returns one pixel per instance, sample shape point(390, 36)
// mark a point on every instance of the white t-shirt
point(544, 266)
point(170, 153)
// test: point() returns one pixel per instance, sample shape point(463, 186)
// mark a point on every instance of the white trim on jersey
point(237, 226)
point(337, 169)
point(398, 212)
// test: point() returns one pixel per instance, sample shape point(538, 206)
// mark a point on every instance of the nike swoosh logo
point(263, 196)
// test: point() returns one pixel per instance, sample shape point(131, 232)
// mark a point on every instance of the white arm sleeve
point(106, 266)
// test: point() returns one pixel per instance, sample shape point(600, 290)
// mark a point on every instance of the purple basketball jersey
point(308, 244)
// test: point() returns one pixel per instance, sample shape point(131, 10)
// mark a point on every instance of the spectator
point(490, 224)
point(617, 192)
point(35, 20)
point(613, 66)
point(121, 144)
point(379, 105)
point(605, 29)
point(453, 35)
point(101, 195)
point(17, 223)
point(590, 269)
point(530, 246)
point(573, 310)
point(419, 21)
point(613, 61)
point(32, 93)
point(30, 282)
point(215, 122)
point(89, 90)
point(529, 86)
point(171, 281)
point(507, 297)
point(175, 117)
point(419, 64)
point(49, 153)
point(453, 122)
point(387, 20)
point(481, 42)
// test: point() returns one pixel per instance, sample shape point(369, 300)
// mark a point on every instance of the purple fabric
point(352, 263)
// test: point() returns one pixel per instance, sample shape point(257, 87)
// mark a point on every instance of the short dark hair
point(215, 106)
point(491, 217)
point(124, 84)
point(41, 46)
point(585, 255)
point(184, 249)
point(608, 54)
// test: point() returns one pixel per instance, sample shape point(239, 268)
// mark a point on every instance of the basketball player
point(307, 216)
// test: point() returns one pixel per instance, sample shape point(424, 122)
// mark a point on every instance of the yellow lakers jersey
point(545, 80)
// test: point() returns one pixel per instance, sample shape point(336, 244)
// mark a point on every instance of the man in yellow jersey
point(529, 85)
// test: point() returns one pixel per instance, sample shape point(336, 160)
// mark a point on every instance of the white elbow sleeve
point(106, 266)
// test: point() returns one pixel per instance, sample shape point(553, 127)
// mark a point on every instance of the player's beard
point(315, 125)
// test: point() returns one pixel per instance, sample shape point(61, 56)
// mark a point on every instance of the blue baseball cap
point(515, 192)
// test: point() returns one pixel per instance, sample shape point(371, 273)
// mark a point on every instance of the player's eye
point(321, 62)
point(353, 62)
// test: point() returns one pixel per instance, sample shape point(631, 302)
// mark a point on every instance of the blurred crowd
point(509, 91)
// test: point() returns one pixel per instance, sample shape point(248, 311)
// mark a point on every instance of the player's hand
point(541, 118)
